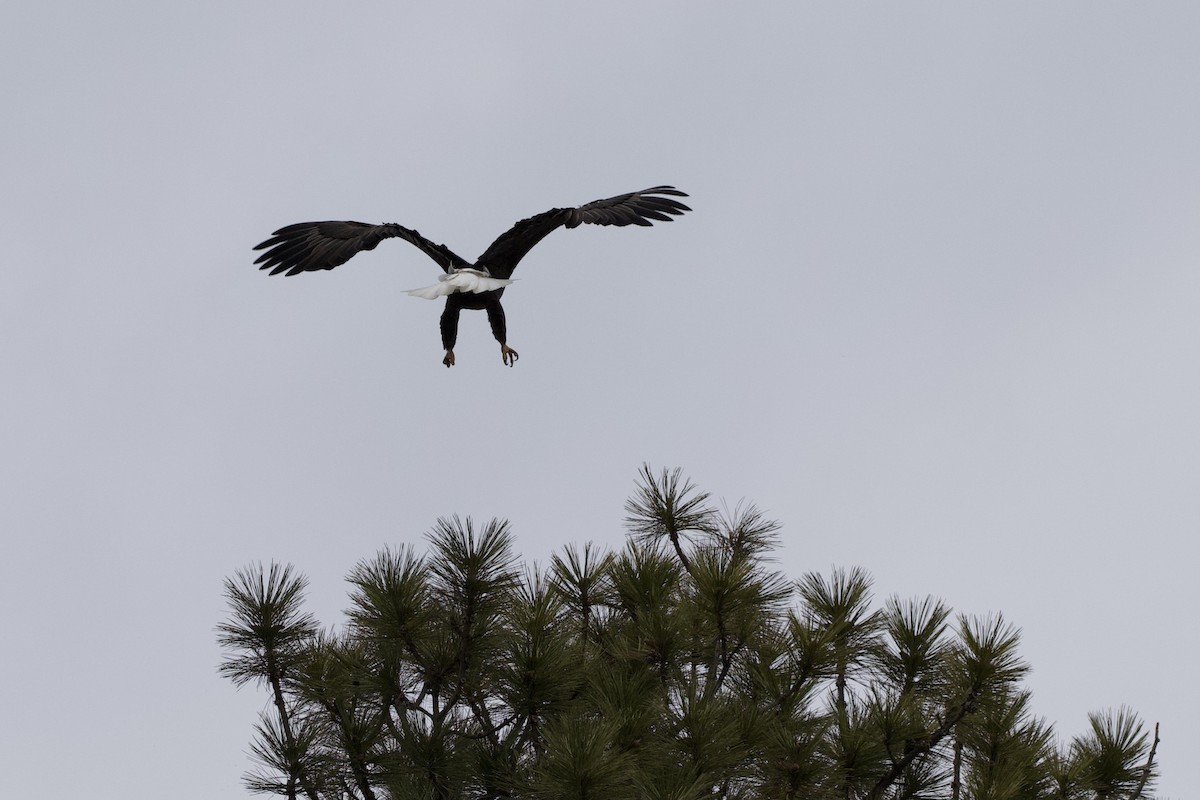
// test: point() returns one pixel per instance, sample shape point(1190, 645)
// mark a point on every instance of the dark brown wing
point(635, 208)
point(309, 246)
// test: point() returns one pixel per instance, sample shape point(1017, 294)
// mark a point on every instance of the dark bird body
point(310, 246)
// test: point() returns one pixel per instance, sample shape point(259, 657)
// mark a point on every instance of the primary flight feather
point(309, 246)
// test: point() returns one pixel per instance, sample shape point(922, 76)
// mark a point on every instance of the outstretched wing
point(309, 246)
point(635, 208)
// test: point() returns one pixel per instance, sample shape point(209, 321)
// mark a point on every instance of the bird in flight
point(309, 246)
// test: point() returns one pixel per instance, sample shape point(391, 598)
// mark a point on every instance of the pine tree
point(682, 666)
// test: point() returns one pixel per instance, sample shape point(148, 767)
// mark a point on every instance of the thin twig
point(1146, 769)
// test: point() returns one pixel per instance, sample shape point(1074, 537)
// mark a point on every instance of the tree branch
point(913, 748)
point(358, 765)
point(1148, 768)
point(275, 679)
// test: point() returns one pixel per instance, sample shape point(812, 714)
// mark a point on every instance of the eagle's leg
point(449, 325)
point(495, 313)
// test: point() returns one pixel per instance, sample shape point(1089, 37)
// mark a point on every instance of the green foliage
point(267, 628)
point(679, 667)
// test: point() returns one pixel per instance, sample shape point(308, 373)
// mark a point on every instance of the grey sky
point(935, 311)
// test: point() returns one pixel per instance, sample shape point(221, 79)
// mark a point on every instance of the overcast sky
point(935, 311)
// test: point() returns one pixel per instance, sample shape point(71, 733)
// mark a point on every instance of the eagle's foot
point(508, 354)
point(449, 359)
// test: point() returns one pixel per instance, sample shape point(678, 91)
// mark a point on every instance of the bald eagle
point(309, 246)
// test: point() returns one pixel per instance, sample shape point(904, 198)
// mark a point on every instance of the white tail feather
point(464, 280)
